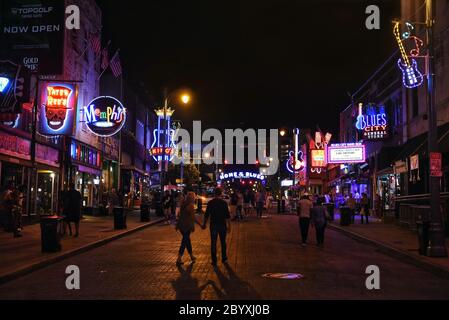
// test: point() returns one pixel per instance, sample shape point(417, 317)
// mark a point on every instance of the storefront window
point(46, 197)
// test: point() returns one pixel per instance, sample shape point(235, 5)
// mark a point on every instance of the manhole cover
point(283, 276)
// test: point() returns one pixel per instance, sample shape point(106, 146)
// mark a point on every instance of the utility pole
point(437, 246)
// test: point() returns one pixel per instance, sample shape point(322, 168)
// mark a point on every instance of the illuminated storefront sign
point(286, 183)
point(318, 158)
point(4, 84)
point(242, 175)
point(373, 123)
point(57, 109)
point(346, 153)
point(105, 116)
point(159, 151)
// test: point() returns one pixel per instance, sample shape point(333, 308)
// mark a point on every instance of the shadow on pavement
point(186, 286)
point(233, 287)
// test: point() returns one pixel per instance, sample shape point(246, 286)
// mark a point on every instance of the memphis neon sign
point(105, 116)
point(242, 175)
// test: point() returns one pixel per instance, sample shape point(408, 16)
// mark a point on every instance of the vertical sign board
point(57, 108)
point(435, 165)
point(32, 34)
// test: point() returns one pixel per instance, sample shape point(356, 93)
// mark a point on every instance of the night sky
point(251, 63)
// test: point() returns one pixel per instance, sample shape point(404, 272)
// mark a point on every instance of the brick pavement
point(25, 252)
point(142, 266)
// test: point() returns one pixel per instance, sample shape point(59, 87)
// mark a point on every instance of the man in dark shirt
point(218, 211)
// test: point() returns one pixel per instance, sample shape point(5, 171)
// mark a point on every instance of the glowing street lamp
point(282, 132)
point(185, 98)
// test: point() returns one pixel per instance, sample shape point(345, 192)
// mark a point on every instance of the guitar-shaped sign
point(296, 163)
point(411, 76)
point(360, 119)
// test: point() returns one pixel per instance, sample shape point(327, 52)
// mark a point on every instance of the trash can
point(119, 218)
point(283, 206)
point(345, 216)
point(50, 236)
point(330, 209)
point(144, 212)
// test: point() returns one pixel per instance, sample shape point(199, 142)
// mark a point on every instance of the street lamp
point(282, 133)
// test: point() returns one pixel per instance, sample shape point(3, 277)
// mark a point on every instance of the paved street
point(142, 266)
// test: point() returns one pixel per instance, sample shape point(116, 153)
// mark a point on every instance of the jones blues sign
point(105, 116)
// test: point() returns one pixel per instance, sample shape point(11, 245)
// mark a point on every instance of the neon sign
point(318, 157)
point(411, 76)
point(242, 175)
point(57, 109)
point(159, 151)
point(3, 84)
point(373, 124)
point(105, 116)
point(346, 153)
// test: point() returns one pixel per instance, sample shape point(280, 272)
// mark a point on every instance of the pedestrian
point(72, 208)
point(239, 209)
point(318, 219)
point(233, 206)
point(15, 212)
point(247, 202)
point(218, 211)
point(364, 211)
point(113, 201)
point(7, 206)
point(351, 203)
point(167, 204)
point(186, 225)
point(304, 207)
point(260, 203)
point(179, 201)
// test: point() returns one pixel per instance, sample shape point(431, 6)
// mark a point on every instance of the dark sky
point(267, 63)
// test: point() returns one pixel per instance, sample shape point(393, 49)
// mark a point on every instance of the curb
point(42, 264)
point(395, 253)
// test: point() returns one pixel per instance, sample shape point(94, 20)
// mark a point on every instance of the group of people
point(358, 206)
point(12, 206)
point(242, 204)
point(217, 211)
point(312, 214)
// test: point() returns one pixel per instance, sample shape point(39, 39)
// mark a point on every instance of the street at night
point(142, 266)
point(224, 152)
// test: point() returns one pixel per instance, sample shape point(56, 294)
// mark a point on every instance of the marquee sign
point(57, 109)
point(105, 116)
point(373, 123)
point(346, 153)
point(242, 175)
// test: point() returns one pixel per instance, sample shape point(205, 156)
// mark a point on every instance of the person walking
point(233, 206)
point(318, 219)
point(218, 212)
point(260, 203)
point(304, 207)
point(239, 209)
point(186, 225)
point(167, 204)
point(113, 201)
point(364, 211)
point(72, 208)
point(351, 203)
point(247, 202)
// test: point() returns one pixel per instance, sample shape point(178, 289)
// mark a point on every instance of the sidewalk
point(23, 255)
point(393, 240)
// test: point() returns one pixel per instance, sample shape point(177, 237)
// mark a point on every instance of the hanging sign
point(373, 122)
point(105, 116)
point(414, 162)
point(57, 109)
point(435, 165)
point(346, 153)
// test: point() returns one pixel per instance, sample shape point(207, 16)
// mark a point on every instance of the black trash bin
point(119, 218)
point(279, 206)
point(422, 214)
point(345, 216)
point(50, 235)
point(144, 212)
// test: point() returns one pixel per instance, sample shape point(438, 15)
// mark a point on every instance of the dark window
point(415, 103)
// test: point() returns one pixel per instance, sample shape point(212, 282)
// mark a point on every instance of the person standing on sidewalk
point(318, 218)
point(304, 207)
point(186, 225)
point(351, 203)
point(167, 204)
point(260, 203)
point(113, 201)
point(233, 206)
point(218, 211)
point(364, 203)
point(239, 209)
point(72, 207)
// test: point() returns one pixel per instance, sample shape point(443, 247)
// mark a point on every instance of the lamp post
point(437, 245)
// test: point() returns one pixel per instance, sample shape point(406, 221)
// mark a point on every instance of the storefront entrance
point(46, 195)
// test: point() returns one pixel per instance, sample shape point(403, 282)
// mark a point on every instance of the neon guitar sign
point(411, 76)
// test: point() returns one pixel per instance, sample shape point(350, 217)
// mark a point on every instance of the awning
point(386, 158)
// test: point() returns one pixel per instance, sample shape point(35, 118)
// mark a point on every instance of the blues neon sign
point(242, 175)
point(374, 123)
